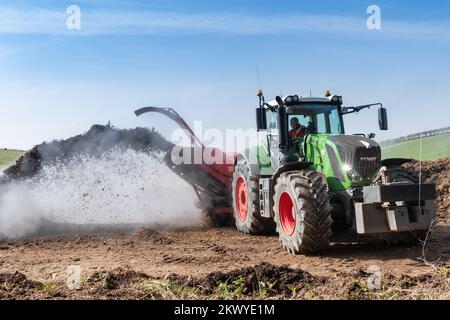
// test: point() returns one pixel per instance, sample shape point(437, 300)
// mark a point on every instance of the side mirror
point(382, 118)
point(261, 123)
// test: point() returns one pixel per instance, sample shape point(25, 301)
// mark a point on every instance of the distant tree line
point(414, 136)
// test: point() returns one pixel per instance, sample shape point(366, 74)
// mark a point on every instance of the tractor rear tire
point(302, 212)
point(405, 238)
point(246, 206)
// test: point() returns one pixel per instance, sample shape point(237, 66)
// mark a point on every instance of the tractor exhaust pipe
point(286, 156)
point(282, 125)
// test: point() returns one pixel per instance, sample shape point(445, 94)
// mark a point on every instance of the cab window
point(272, 121)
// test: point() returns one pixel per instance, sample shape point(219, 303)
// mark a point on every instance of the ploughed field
point(219, 263)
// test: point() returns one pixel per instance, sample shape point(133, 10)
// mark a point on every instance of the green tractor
point(312, 180)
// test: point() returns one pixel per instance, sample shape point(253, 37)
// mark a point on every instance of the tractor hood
point(359, 153)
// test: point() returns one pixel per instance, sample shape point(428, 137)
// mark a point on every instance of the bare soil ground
point(218, 263)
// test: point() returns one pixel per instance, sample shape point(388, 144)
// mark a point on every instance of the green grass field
point(432, 148)
point(9, 156)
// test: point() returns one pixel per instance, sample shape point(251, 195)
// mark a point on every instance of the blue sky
point(200, 57)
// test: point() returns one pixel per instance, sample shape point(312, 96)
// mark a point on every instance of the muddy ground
point(220, 264)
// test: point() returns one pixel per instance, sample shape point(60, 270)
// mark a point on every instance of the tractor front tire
point(245, 194)
point(302, 212)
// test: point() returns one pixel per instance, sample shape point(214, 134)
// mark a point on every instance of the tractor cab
point(291, 119)
point(295, 125)
point(316, 117)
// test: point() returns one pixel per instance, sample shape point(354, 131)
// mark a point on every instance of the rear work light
point(337, 99)
point(290, 100)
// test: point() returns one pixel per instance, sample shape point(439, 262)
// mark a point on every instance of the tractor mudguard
point(291, 166)
point(294, 166)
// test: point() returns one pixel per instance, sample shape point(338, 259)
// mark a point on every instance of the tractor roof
point(274, 104)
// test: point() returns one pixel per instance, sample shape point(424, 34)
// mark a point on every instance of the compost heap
point(104, 177)
point(98, 140)
point(437, 172)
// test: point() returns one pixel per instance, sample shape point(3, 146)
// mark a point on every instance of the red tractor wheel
point(245, 193)
point(302, 211)
point(241, 198)
point(287, 213)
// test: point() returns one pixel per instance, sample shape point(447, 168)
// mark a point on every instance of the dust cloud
point(118, 187)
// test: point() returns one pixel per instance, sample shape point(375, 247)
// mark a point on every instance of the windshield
point(316, 118)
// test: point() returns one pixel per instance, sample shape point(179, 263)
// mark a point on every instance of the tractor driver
point(296, 135)
point(298, 131)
